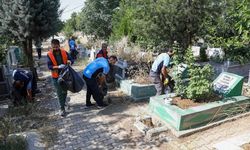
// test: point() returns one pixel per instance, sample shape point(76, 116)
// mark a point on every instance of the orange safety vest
point(54, 72)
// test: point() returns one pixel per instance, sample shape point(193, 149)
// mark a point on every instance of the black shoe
point(89, 106)
point(37, 91)
point(63, 113)
point(101, 106)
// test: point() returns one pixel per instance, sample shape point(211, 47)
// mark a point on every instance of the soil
point(142, 80)
point(246, 146)
point(246, 90)
point(187, 103)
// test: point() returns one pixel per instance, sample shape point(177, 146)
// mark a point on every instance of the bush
point(200, 84)
point(14, 143)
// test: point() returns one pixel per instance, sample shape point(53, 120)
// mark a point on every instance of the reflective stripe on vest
point(54, 72)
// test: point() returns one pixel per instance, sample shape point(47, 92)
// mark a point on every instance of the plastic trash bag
point(70, 80)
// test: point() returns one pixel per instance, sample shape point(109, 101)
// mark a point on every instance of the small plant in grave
point(200, 84)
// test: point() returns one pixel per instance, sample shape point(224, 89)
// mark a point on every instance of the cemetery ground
point(108, 128)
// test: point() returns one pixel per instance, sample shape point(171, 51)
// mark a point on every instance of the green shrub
point(200, 84)
point(14, 143)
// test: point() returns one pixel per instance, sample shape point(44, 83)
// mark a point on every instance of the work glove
point(166, 81)
point(61, 66)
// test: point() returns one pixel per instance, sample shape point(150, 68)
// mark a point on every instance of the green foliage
point(96, 17)
point(180, 85)
point(200, 84)
point(178, 58)
point(14, 143)
point(238, 54)
point(231, 30)
point(29, 20)
point(4, 42)
point(189, 58)
point(154, 23)
point(179, 53)
point(122, 22)
point(71, 25)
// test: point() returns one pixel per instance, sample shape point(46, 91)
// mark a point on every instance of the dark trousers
point(61, 94)
point(39, 52)
point(157, 81)
point(73, 54)
point(93, 90)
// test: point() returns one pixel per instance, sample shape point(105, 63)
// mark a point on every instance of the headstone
point(228, 84)
point(215, 52)
point(180, 69)
point(120, 69)
point(13, 55)
point(196, 51)
point(92, 55)
point(5, 81)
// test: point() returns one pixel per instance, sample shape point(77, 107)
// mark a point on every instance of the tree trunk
point(27, 47)
point(28, 51)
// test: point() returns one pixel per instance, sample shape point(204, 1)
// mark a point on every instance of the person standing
point(103, 52)
point(57, 58)
point(39, 48)
point(39, 52)
point(94, 75)
point(159, 70)
point(73, 48)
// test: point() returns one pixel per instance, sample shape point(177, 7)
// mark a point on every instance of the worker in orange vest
point(57, 59)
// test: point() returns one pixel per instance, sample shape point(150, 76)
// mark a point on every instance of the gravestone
point(228, 84)
point(13, 55)
point(181, 69)
point(5, 81)
point(120, 69)
point(215, 52)
point(196, 51)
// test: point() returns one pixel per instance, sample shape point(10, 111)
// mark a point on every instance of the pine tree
point(29, 20)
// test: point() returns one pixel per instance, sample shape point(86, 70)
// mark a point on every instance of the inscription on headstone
point(228, 84)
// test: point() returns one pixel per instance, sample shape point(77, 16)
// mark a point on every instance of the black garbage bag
point(70, 80)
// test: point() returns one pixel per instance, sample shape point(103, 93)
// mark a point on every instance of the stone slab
point(137, 91)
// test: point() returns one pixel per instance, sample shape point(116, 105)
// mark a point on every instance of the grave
point(137, 91)
point(134, 90)
point(227, 84)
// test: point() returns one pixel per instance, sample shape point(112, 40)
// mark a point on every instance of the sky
point(70, 6)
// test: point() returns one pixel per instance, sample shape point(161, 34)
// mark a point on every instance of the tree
point(4, 41)
point(29, 20)
point(71, 25)
point(157, 22)
point(96, 17)
point(231, 30)
point(122, 22)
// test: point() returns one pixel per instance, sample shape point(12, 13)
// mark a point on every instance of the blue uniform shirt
point(23, 76)
point(161, 60)
point(99, 63)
